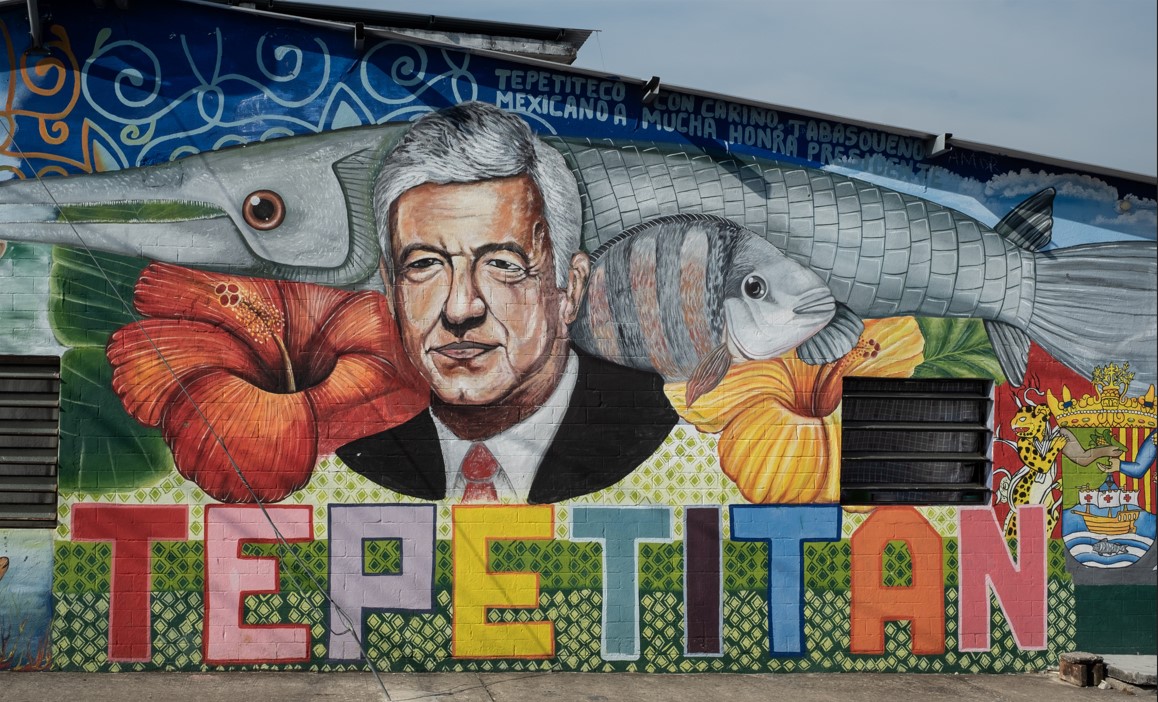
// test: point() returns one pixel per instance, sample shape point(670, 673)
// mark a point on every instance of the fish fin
point(708, 373)
point(1030, 224)
point(1098, 303)
point(1011, 346)
point(833, 340)
point(357, 174)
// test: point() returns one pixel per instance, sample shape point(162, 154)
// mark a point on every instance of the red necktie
point(479, 468)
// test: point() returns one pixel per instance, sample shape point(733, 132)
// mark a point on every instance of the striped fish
point(884, 253)
point(685, 295)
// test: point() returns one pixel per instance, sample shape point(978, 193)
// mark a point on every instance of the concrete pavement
point(555, 687)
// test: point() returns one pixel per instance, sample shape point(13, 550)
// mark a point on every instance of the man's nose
point(463, 301)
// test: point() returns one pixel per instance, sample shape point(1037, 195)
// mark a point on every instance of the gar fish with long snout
point(685, 295)
point(302, 208)
point(299, 208)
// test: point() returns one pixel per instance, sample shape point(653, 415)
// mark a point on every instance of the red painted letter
point(131, 529)
point(922, 603)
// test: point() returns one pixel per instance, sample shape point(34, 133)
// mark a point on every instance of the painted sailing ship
point(1118, 509)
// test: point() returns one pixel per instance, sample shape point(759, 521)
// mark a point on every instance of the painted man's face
point(475, 290)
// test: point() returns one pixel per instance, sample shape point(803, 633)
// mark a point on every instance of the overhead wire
point(347, 621)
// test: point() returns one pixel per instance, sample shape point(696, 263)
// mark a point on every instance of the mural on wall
point(480, 232)
point(1085, 454)
point(25, 602)
point(1109, 505)
point(483, 329)
point(251, 380)
point(492, 329)
point(1039, 445)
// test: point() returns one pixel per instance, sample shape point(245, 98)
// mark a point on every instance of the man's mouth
point(463, 350)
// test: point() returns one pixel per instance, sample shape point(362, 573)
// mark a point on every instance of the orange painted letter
point(922, 603)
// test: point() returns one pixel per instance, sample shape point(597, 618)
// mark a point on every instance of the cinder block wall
point(267, 423)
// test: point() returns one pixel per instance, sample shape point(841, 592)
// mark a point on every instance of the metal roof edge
point(387, 34)
point(604, 75)
point(412, 20)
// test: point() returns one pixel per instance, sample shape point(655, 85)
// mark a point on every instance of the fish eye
point(263, 210)
point(754, 287)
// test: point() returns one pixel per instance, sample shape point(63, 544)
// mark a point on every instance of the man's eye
point(504, 265)
point(422, 263)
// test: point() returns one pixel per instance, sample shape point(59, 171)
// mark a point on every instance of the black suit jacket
point(616, 418)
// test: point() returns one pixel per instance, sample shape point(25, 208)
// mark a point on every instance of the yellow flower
point(778, 420)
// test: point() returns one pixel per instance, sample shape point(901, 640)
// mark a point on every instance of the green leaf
point(137, 212)
point(957, 348)
point(88, 300)
point(102, 448)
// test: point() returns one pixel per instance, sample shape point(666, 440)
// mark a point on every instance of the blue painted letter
point(785, 529)
point(620, 530)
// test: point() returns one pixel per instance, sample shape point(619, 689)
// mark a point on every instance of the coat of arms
point(1108, 518)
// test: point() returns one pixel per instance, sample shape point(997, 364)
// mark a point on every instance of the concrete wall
point(263, 430)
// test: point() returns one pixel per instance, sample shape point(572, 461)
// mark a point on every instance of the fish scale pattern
point(881, 252)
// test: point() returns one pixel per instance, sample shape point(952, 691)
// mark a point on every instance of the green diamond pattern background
point(570, 598)
point(683, 471)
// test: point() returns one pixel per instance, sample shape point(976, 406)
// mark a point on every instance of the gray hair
point(475, 141)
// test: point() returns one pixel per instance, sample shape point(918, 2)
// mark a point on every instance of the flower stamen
point(830, 388)
point(261, 320)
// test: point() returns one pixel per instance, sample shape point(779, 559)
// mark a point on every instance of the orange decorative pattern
point(53, 74)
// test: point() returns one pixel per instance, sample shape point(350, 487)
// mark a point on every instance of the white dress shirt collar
point(519, 450)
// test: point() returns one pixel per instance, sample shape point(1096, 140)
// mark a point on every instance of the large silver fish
point(685, 295)
point(884, 253)
point(296, 209)
point(301, 208)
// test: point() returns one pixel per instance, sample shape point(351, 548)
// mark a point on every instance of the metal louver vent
point(29, 436)
point(917, 442)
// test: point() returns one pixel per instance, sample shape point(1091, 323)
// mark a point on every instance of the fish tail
point(1098, 303)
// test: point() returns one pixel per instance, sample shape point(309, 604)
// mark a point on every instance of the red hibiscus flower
point(269, 373)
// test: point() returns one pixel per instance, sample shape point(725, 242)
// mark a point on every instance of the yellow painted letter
point(477, 588)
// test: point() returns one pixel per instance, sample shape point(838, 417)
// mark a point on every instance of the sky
point(1069, 79)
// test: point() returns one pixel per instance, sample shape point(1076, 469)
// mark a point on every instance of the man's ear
point(576, 285)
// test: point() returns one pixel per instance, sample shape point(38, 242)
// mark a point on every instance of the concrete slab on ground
point(555, 687)
point(1136, 670)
